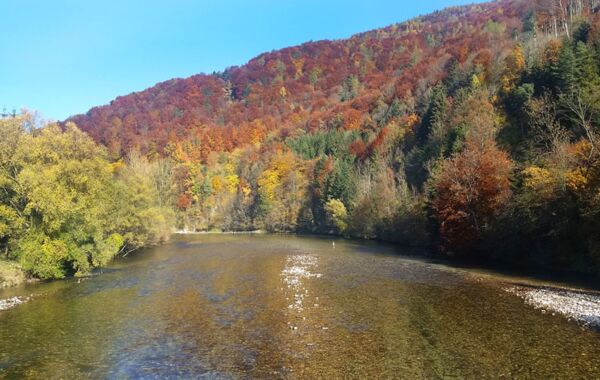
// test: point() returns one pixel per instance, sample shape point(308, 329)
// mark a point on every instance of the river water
point(239, 306)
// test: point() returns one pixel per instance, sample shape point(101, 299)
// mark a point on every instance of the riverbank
point(11, 274)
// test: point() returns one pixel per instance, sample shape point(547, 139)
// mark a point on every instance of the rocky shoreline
point(577, 305)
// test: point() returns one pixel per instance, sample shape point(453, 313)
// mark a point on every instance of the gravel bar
point(580, 306)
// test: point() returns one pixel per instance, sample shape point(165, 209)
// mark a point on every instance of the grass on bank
point(11, 273)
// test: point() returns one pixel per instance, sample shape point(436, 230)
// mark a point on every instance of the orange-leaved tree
point(471, 190)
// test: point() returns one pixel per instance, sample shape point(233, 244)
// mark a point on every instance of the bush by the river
point(65, 208)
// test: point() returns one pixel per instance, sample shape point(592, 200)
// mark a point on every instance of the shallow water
point(224, 306)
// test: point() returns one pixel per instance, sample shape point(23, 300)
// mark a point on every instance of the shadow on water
point(522, 274)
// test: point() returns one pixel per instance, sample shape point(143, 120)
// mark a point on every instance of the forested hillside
point(473, 130)
point(346, 84)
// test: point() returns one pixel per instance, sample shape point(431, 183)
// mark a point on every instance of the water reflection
point(284, 307)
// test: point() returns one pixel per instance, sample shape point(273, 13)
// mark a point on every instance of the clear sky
point(61, 57)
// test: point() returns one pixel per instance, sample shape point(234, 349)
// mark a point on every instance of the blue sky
point(62, 57)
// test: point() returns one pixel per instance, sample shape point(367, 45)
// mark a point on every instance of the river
point(274, 306)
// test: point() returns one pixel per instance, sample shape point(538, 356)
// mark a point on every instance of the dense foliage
point(64, 207)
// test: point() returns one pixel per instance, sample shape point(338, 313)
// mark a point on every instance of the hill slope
point(311, 86)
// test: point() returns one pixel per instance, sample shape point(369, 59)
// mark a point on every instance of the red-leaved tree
point(471, 191)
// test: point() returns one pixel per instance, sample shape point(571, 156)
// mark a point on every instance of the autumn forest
point(473, 131)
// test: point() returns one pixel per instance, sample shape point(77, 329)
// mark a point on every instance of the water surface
point(223, 306)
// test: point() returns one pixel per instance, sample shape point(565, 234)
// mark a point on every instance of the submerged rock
point(12, 302)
